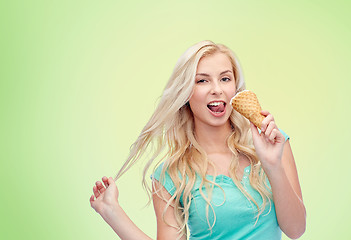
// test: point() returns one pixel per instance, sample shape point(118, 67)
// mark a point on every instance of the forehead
point(217, 62)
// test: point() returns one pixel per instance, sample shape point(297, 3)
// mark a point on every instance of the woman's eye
point(201, 81)
point(225, 79)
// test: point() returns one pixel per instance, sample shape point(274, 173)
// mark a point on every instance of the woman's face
point(214, 87)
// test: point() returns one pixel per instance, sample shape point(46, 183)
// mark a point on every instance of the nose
point(216, 88)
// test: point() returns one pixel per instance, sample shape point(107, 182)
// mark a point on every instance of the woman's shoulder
point(159, 172)
point(163, 177)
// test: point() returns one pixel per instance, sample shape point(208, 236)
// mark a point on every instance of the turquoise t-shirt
point(235, 215)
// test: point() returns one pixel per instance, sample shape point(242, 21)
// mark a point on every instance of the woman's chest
point(226, 202)
point(222, 163)
point(229, 210)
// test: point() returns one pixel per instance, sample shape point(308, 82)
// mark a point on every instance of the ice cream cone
point(246, 103)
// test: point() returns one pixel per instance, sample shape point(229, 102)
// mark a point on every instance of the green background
point(79, 79)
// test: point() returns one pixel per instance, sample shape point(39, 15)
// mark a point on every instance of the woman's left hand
point(269, 144)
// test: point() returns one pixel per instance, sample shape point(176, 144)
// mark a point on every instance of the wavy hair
point(170, 135)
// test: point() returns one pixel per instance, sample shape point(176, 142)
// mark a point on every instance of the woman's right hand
point(105, 202)
point(106, 197)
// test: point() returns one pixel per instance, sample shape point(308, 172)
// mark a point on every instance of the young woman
point(221, 177)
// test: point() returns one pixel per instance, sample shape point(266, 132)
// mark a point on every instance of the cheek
point(196, 102)
point(197, 96)
point(231, 90)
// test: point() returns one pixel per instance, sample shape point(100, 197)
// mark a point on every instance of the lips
point(216, 106)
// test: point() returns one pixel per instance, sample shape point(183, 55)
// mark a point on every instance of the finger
point(279, 136)
point(105, 180)
point(110, 180)
point(272, 136)
point(265, 113)
point(91, 199)
point(254, 130)
point(270, 128)
point(100, 187)
point(269, 118)
point(96, 192)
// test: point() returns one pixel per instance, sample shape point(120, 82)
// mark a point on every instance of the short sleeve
point(285, 135)
point(166, 182)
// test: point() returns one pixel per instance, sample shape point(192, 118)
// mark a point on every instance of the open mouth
point(216, 107)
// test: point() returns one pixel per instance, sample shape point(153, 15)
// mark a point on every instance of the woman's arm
point(287, 196)
point(106, 204)
point(164, 231)
point(278, 162)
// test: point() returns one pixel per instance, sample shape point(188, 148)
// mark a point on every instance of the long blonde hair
point(170, 135)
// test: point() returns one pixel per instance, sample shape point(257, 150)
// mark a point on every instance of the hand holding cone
point(246, 103)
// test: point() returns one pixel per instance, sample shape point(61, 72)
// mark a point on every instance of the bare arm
point(279, 164)
point(106, 204)
point(165, 231)
point(287, 196)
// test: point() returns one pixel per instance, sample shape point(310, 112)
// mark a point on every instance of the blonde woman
point(220, 176)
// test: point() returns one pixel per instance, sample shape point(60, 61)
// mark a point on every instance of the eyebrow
point(207, 75)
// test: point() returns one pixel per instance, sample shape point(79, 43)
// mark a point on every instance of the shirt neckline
point(246, 171)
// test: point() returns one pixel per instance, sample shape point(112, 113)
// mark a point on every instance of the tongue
point(219, 108)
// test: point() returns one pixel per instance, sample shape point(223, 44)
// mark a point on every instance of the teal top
point(235, 215)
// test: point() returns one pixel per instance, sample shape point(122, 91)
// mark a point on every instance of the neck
point(213, 139)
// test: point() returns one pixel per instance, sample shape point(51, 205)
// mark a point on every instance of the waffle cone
point(246, 103)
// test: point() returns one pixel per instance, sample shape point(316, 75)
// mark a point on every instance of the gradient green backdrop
point(79, 79)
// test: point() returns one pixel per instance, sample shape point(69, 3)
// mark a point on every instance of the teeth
point(215, 103)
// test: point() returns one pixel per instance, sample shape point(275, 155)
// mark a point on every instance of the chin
point(219, 123)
